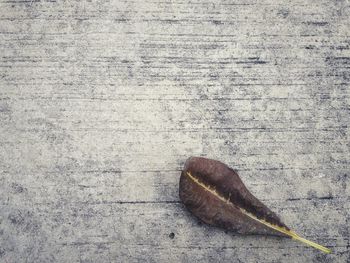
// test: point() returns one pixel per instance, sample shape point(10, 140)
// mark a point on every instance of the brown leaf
point(214, 193)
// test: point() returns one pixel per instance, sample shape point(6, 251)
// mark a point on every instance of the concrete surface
point(101, 102)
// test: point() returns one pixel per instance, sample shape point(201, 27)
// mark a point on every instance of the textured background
point(101, 102)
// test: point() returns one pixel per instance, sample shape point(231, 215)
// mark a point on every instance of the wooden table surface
point(101, 103)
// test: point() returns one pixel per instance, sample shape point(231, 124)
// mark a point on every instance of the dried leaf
point(214, 193)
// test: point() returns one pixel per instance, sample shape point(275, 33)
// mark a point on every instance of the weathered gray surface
point(101, 103)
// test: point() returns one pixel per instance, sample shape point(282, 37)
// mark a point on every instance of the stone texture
point(101, 103)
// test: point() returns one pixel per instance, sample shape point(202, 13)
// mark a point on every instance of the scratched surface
point(101, 102)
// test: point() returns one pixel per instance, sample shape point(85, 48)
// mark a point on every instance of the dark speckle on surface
point(18, 188)
point(283, 13)
point(16, 218)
